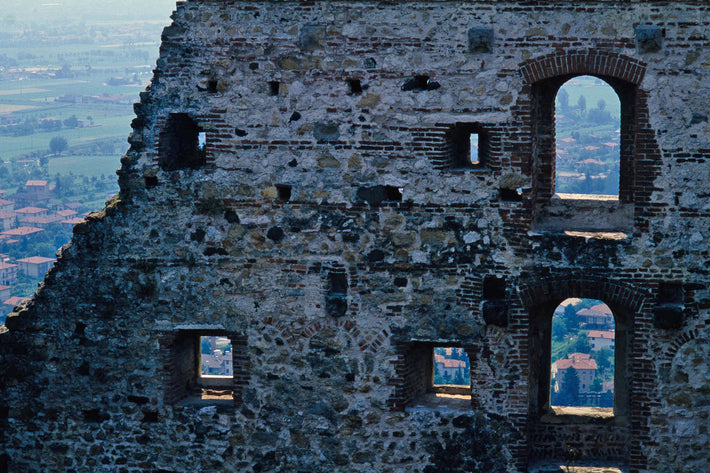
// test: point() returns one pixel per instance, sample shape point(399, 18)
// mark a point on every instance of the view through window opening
point(216, 357)
point(582, 354)
point(451, 367)
point(473, 139)
point(587, 136)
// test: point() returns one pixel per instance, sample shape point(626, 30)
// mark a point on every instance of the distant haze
point(38, 12)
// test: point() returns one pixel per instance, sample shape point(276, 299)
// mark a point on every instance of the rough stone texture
point(334, 294)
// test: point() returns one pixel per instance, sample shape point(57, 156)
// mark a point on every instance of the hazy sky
point(18, 12)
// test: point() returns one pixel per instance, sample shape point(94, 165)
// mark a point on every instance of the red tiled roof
point(15, 300)
point(454, 363)
point(73, 221)
point(30, 210)
point(578, 361)
point(35, 260)
point(36, 183)
point(22, 231)
point(42, 220)
point(66, 213)
point(602, 308)
point(4, 215)
point(6, 202)
point(607, 334)
point(7, 265)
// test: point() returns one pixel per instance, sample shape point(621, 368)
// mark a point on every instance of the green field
point(90, 166)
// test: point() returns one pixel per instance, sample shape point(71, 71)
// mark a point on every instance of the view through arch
point(582, 354)
point(587, 137)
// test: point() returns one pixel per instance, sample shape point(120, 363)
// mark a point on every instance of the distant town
point(582, 356)
point(582, 364)
point(32, 223)
point(69, 76)
point(587, 131)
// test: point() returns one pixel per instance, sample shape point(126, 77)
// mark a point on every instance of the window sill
point(221, 398)
point(457, 402)
point(585, 214)
point(582, 415)
point(452, 389)
point(566, 468)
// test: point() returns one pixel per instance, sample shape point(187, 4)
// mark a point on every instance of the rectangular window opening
point(183, 143)
point(451, 372)
point(473, 143)
point(216, 370)
point(582, 374)
point(467, 145)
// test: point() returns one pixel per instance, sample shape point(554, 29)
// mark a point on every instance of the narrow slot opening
point(283, 192)
point(274, 87)
point(355, 86)
point(473, 144)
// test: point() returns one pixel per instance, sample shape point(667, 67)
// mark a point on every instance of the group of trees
point(599, 115)
point(32, 125)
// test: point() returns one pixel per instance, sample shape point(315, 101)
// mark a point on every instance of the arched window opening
point(582, 356)
point(587, 137)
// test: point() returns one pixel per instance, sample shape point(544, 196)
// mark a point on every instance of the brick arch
point(580, 62)
point(540, 297)
point(682, 338)
point(552, 291)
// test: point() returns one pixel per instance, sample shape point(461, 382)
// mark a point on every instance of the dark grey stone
point(480, 40)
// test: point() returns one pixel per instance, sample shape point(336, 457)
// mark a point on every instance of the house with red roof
point(29, 212)
point(582, 363)
point(596, 317)
point(21, 232)
point(35, 266)
point(43, 222)
point(448, 368)
point(66, 213)
point(599, 339)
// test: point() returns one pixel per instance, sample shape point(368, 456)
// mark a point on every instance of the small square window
point(182, 143)
point(201, 367)
point(433, 375)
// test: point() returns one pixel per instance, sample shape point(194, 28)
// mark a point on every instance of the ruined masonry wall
point(288, 235)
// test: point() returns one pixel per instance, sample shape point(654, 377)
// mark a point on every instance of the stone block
point(480, 40)
point(312, 37)
point(649, 39)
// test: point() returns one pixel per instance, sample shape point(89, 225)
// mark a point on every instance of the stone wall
point(330, 228)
